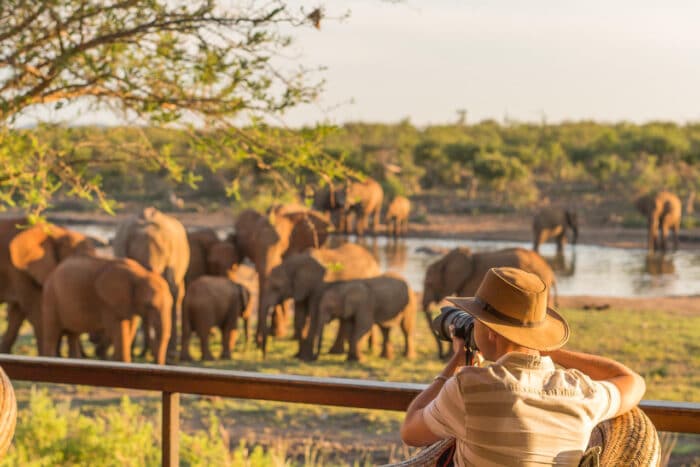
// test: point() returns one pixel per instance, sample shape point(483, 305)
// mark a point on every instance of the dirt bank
point(513, 227)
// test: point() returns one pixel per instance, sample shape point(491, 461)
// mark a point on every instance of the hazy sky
point(424, 59)
point(603, 60)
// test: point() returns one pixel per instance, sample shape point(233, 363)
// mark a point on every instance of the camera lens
point(450, 315)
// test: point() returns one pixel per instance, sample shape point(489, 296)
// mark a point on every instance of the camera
point(463, 324)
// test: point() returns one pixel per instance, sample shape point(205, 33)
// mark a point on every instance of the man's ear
point(492, 335)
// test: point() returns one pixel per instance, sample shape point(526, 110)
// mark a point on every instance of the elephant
point(209, 255)
point(460, 272)
point(397, 216)
point(301, 275)
point(213, 301)
point(364, 199)
point(386, 300)
point(28, 255)
point(550, 222)
point(330, 199)
point(265, 241)
point(663, 212)
point(87, 294)
point(159, 243)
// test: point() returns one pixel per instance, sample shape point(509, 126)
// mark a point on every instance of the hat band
point(502, 316)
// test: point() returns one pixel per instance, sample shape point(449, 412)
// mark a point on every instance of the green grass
point(662, 346)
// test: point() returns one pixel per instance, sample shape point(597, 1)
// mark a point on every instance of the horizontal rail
point(682, 417)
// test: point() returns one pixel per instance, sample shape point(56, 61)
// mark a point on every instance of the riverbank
point(506, 227)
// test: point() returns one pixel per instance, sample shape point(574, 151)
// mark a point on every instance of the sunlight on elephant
point(460, 272)
point(159, 243)
point(266, 241)
point(212, 302)
point(663, 213)
point(361, 200)
point(28, 255)
point(385, 300)
point(396, 218)
point(303, 275)
point(551, 222)
point(104, 296)
point(209, 255)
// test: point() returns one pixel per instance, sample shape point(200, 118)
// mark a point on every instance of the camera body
point(463, 324)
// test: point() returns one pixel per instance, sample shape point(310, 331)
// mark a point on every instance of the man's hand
point(458, 345)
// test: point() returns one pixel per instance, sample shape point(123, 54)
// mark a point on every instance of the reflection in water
point(659, 264)
point(396, 252)
point(594, 270)
point(561, 265)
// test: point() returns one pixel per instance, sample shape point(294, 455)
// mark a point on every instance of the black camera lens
point(462, 321)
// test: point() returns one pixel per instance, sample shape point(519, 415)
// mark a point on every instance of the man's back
point(520, 411)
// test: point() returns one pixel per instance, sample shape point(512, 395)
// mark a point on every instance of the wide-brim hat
point(513, 303)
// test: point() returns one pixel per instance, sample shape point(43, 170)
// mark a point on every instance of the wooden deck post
point(171, 429)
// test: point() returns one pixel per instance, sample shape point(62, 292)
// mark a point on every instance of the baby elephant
point(213, 301)
point(386, 300)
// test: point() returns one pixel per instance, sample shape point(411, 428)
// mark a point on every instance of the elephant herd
point(662, 211)
point(175, 282)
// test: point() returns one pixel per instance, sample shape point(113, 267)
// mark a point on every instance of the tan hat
point(513, 303)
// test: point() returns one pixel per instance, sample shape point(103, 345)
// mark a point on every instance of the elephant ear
point(115, 287)
point(306, 275)
point(34, 252)
point(69, 243)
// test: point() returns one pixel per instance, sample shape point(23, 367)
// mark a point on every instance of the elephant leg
point(51, 340)
point(301, 320)
point(361, 327)
point(122, 340)
point(15, 318)
point(387, 348)
point(561, 239)
point(75, 350)
point(185, 340)
point(376, 221)
point(178, 294)
point(344, 329)
point(664, 235)
point(280, 320)
point(674, 230)
point(407, 326)
point(146, 337)
point(246, 328)
point(229, 334)
point(204, 343)
point(361, 223)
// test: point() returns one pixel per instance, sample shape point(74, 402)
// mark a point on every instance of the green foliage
point(196, 65)
point(48, 435)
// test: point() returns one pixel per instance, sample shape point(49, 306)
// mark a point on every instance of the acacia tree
point(199, 65)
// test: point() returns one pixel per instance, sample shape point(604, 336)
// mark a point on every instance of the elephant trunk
point(427, 301)
point(574, 238)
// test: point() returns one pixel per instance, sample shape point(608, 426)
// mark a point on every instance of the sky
point(498, 59)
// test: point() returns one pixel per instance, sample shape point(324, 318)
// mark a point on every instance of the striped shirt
point(522, 411)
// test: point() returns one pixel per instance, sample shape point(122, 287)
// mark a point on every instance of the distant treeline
point(514, 164)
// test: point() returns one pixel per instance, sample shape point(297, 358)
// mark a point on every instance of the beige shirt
point(522, 411)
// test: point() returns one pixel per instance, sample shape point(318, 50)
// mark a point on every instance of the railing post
point(171, 429)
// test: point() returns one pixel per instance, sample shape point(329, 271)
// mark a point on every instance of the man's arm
point(628, 382)
point(414, 430)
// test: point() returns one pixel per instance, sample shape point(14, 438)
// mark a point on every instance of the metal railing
point(171, 381)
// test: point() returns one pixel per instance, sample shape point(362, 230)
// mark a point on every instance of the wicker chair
point(8, 413)
point(628, 440)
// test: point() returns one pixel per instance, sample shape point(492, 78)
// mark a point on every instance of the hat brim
point(551, 334)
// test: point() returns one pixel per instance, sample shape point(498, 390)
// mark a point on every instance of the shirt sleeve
point(607, 400)
point(445, 415)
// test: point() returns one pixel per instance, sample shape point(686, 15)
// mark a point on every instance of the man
point(520, 410)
